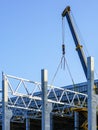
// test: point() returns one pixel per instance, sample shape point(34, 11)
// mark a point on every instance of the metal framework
point(25, 97)
point(22, 99)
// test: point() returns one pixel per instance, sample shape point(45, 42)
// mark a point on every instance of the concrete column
point(91, 95)
point(46, 107)
point(6, 113)
point(27, 123)
point(76, 120)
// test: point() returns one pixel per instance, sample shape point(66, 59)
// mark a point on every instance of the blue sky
point(31, 38)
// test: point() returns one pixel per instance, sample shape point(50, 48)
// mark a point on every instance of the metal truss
point(24, 97)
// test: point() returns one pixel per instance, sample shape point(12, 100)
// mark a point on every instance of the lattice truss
point(25, 97)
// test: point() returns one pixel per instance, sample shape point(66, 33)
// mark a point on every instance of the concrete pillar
point(46, 107)
point(76, 120)
point(27, 123)
point(91, 95)
point(6, 113)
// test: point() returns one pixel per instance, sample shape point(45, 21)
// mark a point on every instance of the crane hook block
point(63, 49)
point(67, 9)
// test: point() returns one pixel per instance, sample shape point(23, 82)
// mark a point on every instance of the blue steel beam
point(83, 60)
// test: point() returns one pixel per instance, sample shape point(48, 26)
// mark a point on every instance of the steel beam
point(27, 123)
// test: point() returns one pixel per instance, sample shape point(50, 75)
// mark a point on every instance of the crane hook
point(63, 57)
point(63, 49)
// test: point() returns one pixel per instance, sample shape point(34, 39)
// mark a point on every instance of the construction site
point(30, 105)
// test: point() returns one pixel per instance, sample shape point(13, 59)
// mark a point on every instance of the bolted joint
point(78, 47)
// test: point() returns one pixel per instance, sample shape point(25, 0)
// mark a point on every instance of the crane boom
point(83, 60)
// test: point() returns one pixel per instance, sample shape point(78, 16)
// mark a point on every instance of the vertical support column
point(91, 95)
point(27, 123)
point(6, 113)
point(51, 120)
point(76, 120)
point(46, 107)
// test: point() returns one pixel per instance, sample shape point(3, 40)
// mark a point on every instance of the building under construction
point(30, 105)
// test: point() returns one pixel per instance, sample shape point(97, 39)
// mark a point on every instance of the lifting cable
point(63, 60)
point(66, 63)
point(63, 57)
point(82, 40)
point(80, 35)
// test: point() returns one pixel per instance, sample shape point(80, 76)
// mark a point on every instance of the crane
point(92, 101)
point(79, 49)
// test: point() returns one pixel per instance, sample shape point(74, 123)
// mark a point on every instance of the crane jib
point(82, 57)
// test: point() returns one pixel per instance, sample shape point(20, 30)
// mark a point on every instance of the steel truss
point(24, 98)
